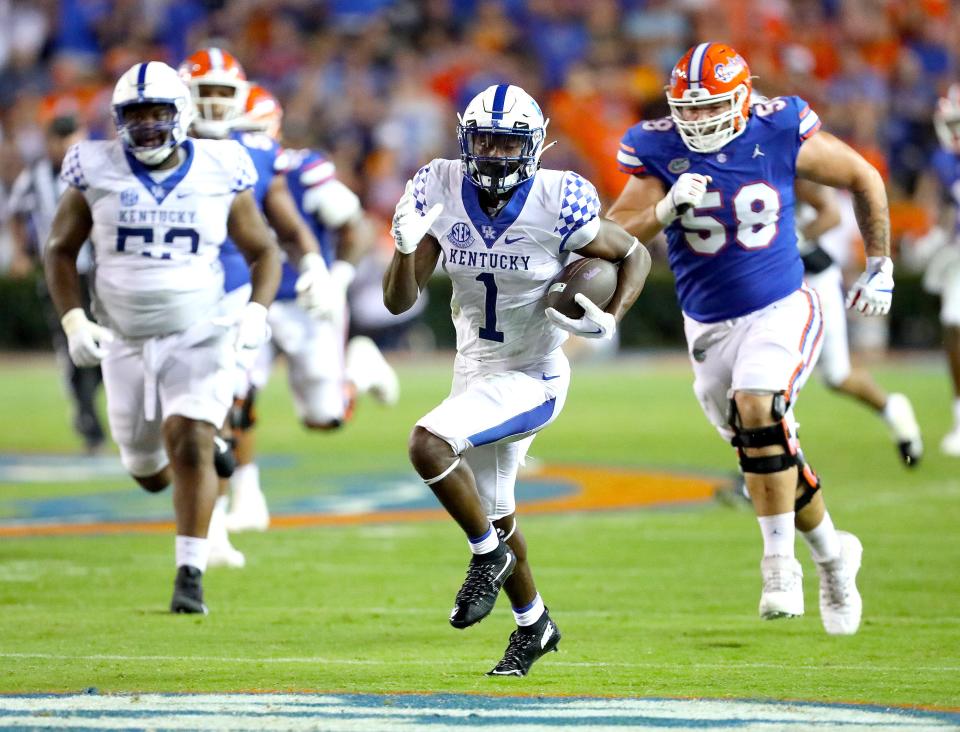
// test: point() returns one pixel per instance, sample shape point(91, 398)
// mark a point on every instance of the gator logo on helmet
point(728, 71)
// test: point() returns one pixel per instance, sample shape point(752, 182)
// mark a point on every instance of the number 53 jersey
point(157, 234)
point(737, 251)
point(501, 266)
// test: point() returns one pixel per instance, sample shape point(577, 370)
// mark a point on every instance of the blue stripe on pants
point(516, 425)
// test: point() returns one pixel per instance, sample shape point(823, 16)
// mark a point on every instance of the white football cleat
point(782, 595)
point(369, 371)
point(840, 602)
point(225, 555)
point(950, 445)
point(248, 505)
point(899, 416)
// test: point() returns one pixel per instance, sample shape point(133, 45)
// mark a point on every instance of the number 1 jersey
point(737, 251)
point(501, 266)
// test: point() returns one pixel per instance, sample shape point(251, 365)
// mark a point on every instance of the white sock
point(193, 551)
point(529, 614)
point(823, 540)
point(217, 530)
point(778, 534)
point(484, 543)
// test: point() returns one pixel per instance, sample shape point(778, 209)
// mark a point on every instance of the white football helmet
point(146, 84)
point(946, 119)
point(501, 136)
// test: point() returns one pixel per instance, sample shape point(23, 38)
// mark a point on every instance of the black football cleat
point(478, 594)
point(188, 591)
point(224, 459)
point(526, 645)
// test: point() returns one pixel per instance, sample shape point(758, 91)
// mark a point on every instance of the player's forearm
point(265, 275)
point(873, 215)
point(630, 281)
point(641, 223)
point(63, 282)
point(400, 287)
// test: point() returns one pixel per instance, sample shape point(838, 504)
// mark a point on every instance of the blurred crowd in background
point(377, 83)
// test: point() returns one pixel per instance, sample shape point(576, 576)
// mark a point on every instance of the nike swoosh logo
point(550, 378)
point(547, 635)
point(514, 240)
point(506, 566)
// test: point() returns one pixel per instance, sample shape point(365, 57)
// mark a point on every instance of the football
point(595, 278)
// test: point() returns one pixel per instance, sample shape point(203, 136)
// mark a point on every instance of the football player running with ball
point(504, 229)
point(157, 206)
point(718, 176)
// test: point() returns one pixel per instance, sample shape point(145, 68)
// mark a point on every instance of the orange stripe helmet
point(262, 112)
point(710, 77)
point(946, 119)
point(218, 88)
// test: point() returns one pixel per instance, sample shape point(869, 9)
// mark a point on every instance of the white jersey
point(501, 266)
point(157, 234)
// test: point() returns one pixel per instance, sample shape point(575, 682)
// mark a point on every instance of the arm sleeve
point(628, 160)
point(809, 121)
point(244, 171)
point(579, 219)
point(71, 172)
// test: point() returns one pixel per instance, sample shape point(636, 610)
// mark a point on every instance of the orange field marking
point(597, 489)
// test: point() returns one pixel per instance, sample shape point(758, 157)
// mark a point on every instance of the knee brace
point(242, 414)
point(224, 458)
point(774, 434)
point(808, 483)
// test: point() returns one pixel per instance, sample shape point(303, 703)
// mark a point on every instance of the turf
point(651, 603)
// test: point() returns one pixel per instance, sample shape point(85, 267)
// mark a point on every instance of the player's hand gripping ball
point(576, 299)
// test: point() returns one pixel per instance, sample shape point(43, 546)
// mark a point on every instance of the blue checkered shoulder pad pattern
point(245, 172)
point(71, 172)
point(420, 189)
point(579, 204)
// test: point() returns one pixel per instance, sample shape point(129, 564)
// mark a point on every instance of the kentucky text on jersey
point(156, 216)
point(157, 270)
point(736, 252)
point(488, 260)
point(501, 266)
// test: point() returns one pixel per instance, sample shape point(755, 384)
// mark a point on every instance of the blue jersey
point(263, 150)
point(737, 252)
point(947, 167)
point(297, 163)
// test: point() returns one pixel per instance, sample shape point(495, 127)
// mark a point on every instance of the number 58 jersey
point(157, 234)
point(736, 252)
point(501, 266)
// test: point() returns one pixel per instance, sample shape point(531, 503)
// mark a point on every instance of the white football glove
point(409, 226)
point(688, 191)
point(872, 293)
point(252, 333)
point(595, 323)
point(85, 339)
point(317, 293)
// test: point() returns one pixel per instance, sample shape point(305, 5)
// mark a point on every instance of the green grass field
point(651, 603)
